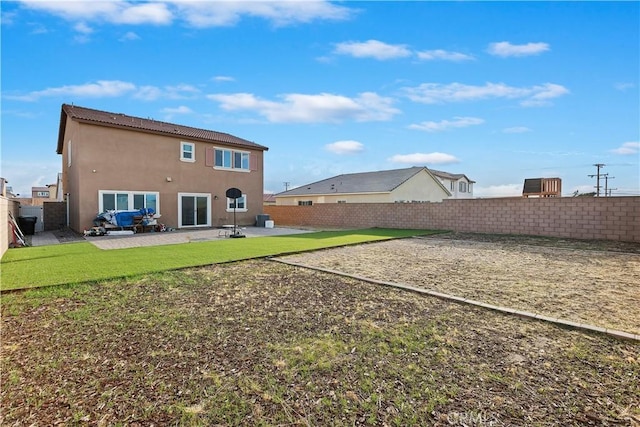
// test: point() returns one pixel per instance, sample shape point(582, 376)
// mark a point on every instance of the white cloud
point(624, 86)
point(24, 175)
point(628, 148)
point(505, 190)
point(435, 93)
point(457, 122)
point(129, 36)
point(345, 147)
point(443, 55)
point(83, 28)
point(319, 108)
point(372, 49)
point(516, 129)
point(178, 110)
point(199, 14)
point(99, 89)
point(116, 12)
point(506, 49)
point(223, 79)
point(202, 14)
point(424, 158)
point(109, 89)
point(151, 93)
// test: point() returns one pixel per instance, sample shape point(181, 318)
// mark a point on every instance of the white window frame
point(130, 195)
point(245, 156)
point(42, 194)
point(230, 206)
point(462, 185)
point(183, 151)
point(209, 213)
point(69, 154)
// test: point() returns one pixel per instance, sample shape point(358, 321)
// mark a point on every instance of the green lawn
point(81, 262)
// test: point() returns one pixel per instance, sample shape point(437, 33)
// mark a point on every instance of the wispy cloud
point(457, 122)
point(223, 79)
point(372, 49)
point(424, 158)
point(506, 49)
point(628, 148)
point(99, 89)
point(516, 129)
point(318, 108)
point(345, 147)
point(436, 93)
point(115, 12)
point(129, 36)
point(109, 89)
point(443, 55)
point(198, 14)
point(624, 86)
point(178, 110)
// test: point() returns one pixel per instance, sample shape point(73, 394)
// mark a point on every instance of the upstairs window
point(305, 203)
point(187, 152)
point(231, 159)
point(463, 187)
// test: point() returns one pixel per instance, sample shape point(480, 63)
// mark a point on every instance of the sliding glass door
point(194, 210)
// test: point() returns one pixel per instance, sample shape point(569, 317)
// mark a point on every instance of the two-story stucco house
point(415, 184)
point(458, 184)
point(112, 161)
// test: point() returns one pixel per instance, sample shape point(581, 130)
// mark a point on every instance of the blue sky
point(499, 91)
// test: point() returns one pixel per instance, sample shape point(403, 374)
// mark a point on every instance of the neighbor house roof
point(451, 176)
point(138, 124)
point(364, 182)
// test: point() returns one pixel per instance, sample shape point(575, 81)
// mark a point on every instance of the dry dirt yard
point(261, 343)
point(596, 283)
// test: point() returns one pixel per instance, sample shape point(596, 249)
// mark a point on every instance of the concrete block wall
point(6, 235)
point(603, 218)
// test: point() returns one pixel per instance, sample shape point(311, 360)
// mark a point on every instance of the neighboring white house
point(415, 184)
point(458, 184)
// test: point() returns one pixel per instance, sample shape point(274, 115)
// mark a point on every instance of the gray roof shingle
point(123, 121)
point(364, 182)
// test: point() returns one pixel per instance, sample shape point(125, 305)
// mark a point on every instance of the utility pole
point(286, 185)
point(607, 192)
point(597, 174)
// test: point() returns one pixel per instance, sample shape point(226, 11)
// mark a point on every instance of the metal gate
point(33, 211)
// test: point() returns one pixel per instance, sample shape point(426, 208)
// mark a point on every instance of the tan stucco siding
point(105, 158)
point(421, 187)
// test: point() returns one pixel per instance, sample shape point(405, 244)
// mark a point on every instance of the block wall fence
point(601, 218)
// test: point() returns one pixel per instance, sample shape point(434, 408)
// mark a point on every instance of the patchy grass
point(82, 262)
point(261, 343)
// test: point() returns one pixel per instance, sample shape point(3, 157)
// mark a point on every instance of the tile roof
point(123, 121)
point(364, 182)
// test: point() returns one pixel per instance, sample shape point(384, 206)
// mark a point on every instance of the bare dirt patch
point(262, 343)
point(596, 283)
